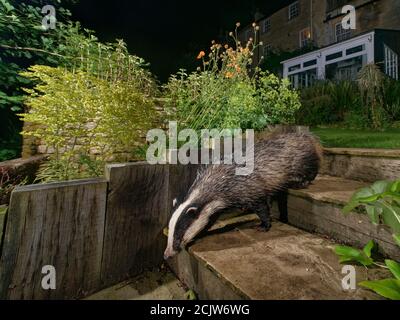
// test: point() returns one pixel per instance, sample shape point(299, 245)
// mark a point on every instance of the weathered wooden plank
point(137, 212)
point(3, 211)
point(361, 167)
point(57, 224)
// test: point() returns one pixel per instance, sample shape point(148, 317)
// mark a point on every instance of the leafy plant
point(371, 84)
point(328, 102)
point(349, 254)
point(85, 120)
point(24, 43)
point(223, 94)
point(388, 288)
point(381, 203)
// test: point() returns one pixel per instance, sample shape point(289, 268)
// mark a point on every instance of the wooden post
point(137, 212)
point(56, 224)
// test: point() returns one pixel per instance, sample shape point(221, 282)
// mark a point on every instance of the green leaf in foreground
point(394, 267)
point(368, 248)
point(391, 216)
point(396, 238)
point(373, 213)
point(349, 254)
point(388, 288)
point(190, 295)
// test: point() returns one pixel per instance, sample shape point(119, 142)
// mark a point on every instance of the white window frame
point(266, 25)
point(294, 10)
point(366, 40)
point(345, 34)
point(391, 63)
point(303, 41)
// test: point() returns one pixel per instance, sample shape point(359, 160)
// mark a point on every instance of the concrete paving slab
point(284, 263)
point(151, 285)
point(331, 189)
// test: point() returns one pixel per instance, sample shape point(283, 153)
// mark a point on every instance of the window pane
point(310, 63)
point(334, 56)
point(355, 50)
point(294, 10)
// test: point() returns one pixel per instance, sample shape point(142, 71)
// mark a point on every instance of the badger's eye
point(191, 211)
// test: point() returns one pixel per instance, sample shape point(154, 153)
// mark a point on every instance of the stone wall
point(33, 146)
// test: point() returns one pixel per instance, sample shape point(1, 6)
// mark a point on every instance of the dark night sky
point(168, 33)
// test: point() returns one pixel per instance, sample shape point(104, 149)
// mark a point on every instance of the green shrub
point(223, 94)
point(371, 102)
point(328, 102)
point(391, 94)
point(85, 120)
point(371, 84)
point(381, 202)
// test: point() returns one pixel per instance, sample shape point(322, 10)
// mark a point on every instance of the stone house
point(338, 53)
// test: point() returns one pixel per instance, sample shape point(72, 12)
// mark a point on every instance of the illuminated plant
point(381, 202)
point(229, 91)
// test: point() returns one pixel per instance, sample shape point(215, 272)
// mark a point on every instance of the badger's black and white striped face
point(187, 221)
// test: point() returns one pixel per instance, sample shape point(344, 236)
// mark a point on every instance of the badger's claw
point(263, 227)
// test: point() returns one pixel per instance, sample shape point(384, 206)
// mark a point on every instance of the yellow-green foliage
point(85, 119)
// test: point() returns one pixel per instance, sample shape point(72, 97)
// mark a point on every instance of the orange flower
point(201, 55)
point(229, 75)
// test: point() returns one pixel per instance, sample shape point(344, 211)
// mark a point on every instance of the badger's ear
point(192, 211)
point(174, 202)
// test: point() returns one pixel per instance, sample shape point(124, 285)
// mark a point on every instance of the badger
point(281, 162)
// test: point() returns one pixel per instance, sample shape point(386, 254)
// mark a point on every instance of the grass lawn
point(352, 138)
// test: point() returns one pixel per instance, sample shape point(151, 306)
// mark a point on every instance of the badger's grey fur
point(281, 162)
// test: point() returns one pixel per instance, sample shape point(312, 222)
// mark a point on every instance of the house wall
point(284, 34)
point(371, 14)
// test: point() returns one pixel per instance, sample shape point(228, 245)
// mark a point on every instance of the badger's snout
point(169, 253)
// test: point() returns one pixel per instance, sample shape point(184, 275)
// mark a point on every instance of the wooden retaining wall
point(95, 232)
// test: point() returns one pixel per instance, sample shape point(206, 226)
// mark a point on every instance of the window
point(391, 63)
point(340, 33)
point(355, 50)
point(303, 79)
point(334, 56)
point(267, 50)
point(266, 25)
point(305, 37)
point(294, 68)
point(294, 10)
point(310, 63)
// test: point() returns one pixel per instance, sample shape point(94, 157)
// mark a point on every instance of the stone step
point(284, 263)
point(155, 284)
point(318, 209)
point(368, 165)
point(290, 261)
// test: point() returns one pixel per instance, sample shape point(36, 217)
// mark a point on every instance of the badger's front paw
point(263, 227)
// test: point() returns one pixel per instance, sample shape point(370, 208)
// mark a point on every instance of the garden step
point(284, 263)
point(368, 165)
point(319, 209)
point(155, 284)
